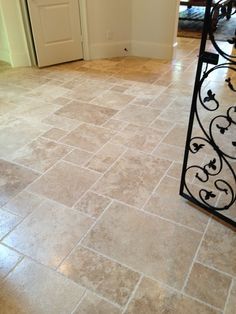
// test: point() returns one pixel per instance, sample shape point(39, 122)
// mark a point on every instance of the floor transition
point(90, 217)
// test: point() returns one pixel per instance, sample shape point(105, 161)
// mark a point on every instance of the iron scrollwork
point(209, 168)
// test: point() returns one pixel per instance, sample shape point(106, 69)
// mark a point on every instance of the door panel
point(56, 30)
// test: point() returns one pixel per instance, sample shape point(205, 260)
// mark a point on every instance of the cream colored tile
point(114, 124)
point(64, 183)
point(35, 289)
point(147, 244)
point(54, 134)
point(49, 234)
point(41, 154)
point(13, 180)
point(99, 274)
point(61, 122)
point(88, 137)
point(218, 248)
point(138, 115)
point(167, 203)
point(231, 305)
point(92, 204)
point(78, 157)
point(170, 152)
point(175, 170)
point(86, 112)
point(152, 298)
point(113, 100)
point(177, 136)
point(8, 222)
point(105, 157)
point(8, 260)
point(132, 178)
point(208, 285)
point(23, 204)
point(92, 304)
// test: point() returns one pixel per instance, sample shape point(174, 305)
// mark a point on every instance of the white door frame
point(84, 30)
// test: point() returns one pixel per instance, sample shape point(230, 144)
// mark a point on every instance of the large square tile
point(88, 137)
point(147, 244)
point(113, 100)
point(41, 154)
point(132, 178)
point(49, 233)
point(86, 112)
point(35, 289)
point(64, 183)
point(13, 180)
point(99, 274)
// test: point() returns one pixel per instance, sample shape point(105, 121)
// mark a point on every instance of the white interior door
point(56, 30)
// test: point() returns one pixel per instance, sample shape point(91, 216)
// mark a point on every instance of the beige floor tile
point(132, 178)
point(78, 157)
point(170, 152)
point(138, 115)
point(145, 90)
point(35, 289)
point(13, 180)
point(23, 204)
point(97, 273)
point(114, 124)
point(175, 170)
point(8, 222)
point(64, 183)
point(54, 134)
point(218, 248)
point(92, 304)
point(152, 298)
point(148, 244)
point(88, 137)
point(8, 260)
point(162, 101)
point(41, 154)
point(177, 136)
point(213, 291)
point(49, 234)
point(86, 112)
point(162, 125)
point(105, 157)
point(231, 305)
point(113, 100)
point(87, 91)
point(59, 122)
point(167, 203)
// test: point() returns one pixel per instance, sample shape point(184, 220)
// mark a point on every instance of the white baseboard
point(151, 50)
point(109, 50)
point(5, 56)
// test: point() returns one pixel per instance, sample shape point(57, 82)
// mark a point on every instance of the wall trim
point(151, 50)
point(110, 50)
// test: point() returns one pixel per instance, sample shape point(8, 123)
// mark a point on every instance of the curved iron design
point(209, 168)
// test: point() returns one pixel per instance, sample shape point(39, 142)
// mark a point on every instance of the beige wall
point(4, 46)
point(109, 27)
point(14, 29)
point(145, 27)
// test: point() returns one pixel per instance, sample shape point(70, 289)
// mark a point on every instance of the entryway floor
point(90, 218)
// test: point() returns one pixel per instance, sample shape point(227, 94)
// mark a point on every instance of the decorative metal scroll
point(209, 168)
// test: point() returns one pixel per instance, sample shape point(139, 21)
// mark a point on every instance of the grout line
point(195, 256)
point(228, 296)
point(84, 295)
point(132, 294)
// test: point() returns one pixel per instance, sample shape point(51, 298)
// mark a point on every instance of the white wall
point(18, 50)
point(109, 27)
point(154, 27)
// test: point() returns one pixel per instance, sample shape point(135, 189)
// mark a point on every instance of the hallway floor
point(90, 217)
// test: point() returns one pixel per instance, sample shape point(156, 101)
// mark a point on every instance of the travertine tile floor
point(90, 218)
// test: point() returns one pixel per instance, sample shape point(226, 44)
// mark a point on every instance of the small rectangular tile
point(208, 285)
point(92, 204)
point(49, 234)
point(54, 134)
point(78, 157)
point(33, 288)
point(152, 298)
point(99, 274)
point(64, 183)
point(145, 243)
